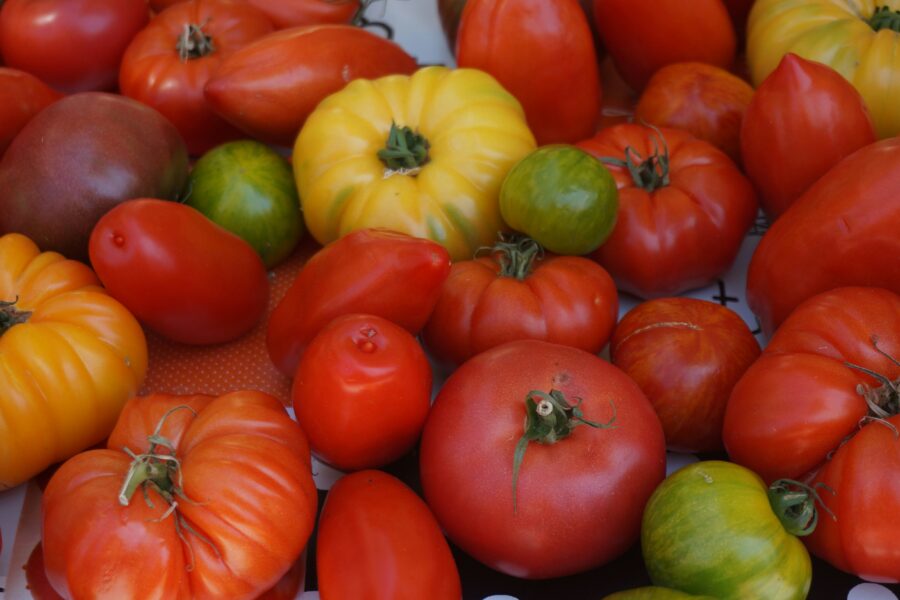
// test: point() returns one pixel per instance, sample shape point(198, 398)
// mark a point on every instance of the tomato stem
point(883, 401)
point(193, 43)
point(10, 316)
point(548, 419)
point(651, 173)
point(405, 150)
point(516, 255)
point(794, 504)
point(885, 18)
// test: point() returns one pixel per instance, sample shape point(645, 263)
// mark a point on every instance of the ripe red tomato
point(594, 480)
point(517, 293)
point(643, 36)
point(370, 271)
point(378, 540)
point(559, 83)
point(182, 275)
point(71, 45)
point(803, 119)
point(21, 97)
point(686, 355)
point(169, 62)
point(294, 13)
point(361, 392)
point(684, 208)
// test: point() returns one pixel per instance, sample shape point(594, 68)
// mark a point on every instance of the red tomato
point(370, 271)
point(594, 480)
point(167, 64)
point(704, 100)
point(21, 97)
point(378, 540)
point(71, 45)
point(559, 83)
point(842, 231)
point(226, 518)
point(293, 13)
point(516, 293)
point(361, 392)
point(643, 36)
point(182, 275)
point(684, 209)
point(803, 119)
point(268, 88)
point(686, 355)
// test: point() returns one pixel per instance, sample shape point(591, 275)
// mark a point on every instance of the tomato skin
point(294, 13)
point(679, 236)
point(840, 232)
point(559, 85)
point(185, 277)
point(643, 36)
point(372, 271)
point(567, 300)
point(653, 593)
point(269, 87)
point(22, 96)
point(803, 119)
point(361, 392)
point(378, 540)
point(686, 355)
point(594, 480)
point(71, 45)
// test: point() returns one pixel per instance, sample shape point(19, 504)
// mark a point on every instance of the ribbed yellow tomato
point(423, 154)
point(70, 356)
point(858, 38)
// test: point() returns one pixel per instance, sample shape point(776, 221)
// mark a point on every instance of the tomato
point(684, 209)
point(860, 40)
point(195, 497)
point(378, 540)
point(559, 84)
point(562, 197)
point(366, 158)
point(269, 88)
point(537, 515)
point(371, 271)
point(840, 232)
point(70, 357)
point(185, 277)
point(642, 36)
point(714, 528)
point(71, 45)
point(169, 62)
point(517, 292)
point(704, 100)
point(21, 97)
point(686, 355)
point(361, 392)
point(803, 119)
point(653, 593)
point(248, 188)
point(294, 13)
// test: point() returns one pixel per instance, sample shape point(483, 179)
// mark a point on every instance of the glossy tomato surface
point(294, 13)
point(22, 96)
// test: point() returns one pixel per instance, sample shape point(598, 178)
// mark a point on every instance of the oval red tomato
point(22, 96)
point(294, 13)
point(182, 275)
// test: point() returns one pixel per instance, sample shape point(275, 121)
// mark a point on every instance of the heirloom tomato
point(424, 155)
point(70, 357)
point(559, 82)
point(803, 119)
point(22, 96)
point(294, 13)
point(194, 497)
point(841, 232)
point(378, 540)
point(858, 39)
point(654, 593)
point(684, 208)
point(371, 271)
point(517, 292)
point(568, 503)
point(185, 277)
point(71, 45)
point(169, 62)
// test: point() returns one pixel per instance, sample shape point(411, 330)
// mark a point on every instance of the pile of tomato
point(473, 229)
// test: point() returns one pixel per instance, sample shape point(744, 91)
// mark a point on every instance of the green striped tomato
point(654, 593)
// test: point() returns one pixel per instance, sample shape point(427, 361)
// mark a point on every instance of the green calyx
point(550, 418)
point(194, 43)
point(516, 255)
point(650, 173)
point(10, 316)
point(794, 504)
point(885, 18)
point(405, 149)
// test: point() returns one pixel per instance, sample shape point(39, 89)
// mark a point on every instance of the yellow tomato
point(70, 357)
point(423, 154)
point(858, 38)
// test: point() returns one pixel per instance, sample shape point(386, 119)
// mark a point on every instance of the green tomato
point(654, 593)
point(562, 197)
point(710, 528)
point(248, 189)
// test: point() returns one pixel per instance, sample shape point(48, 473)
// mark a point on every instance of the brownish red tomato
point(559, 83)
point(22, 96)
point(686, 355)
